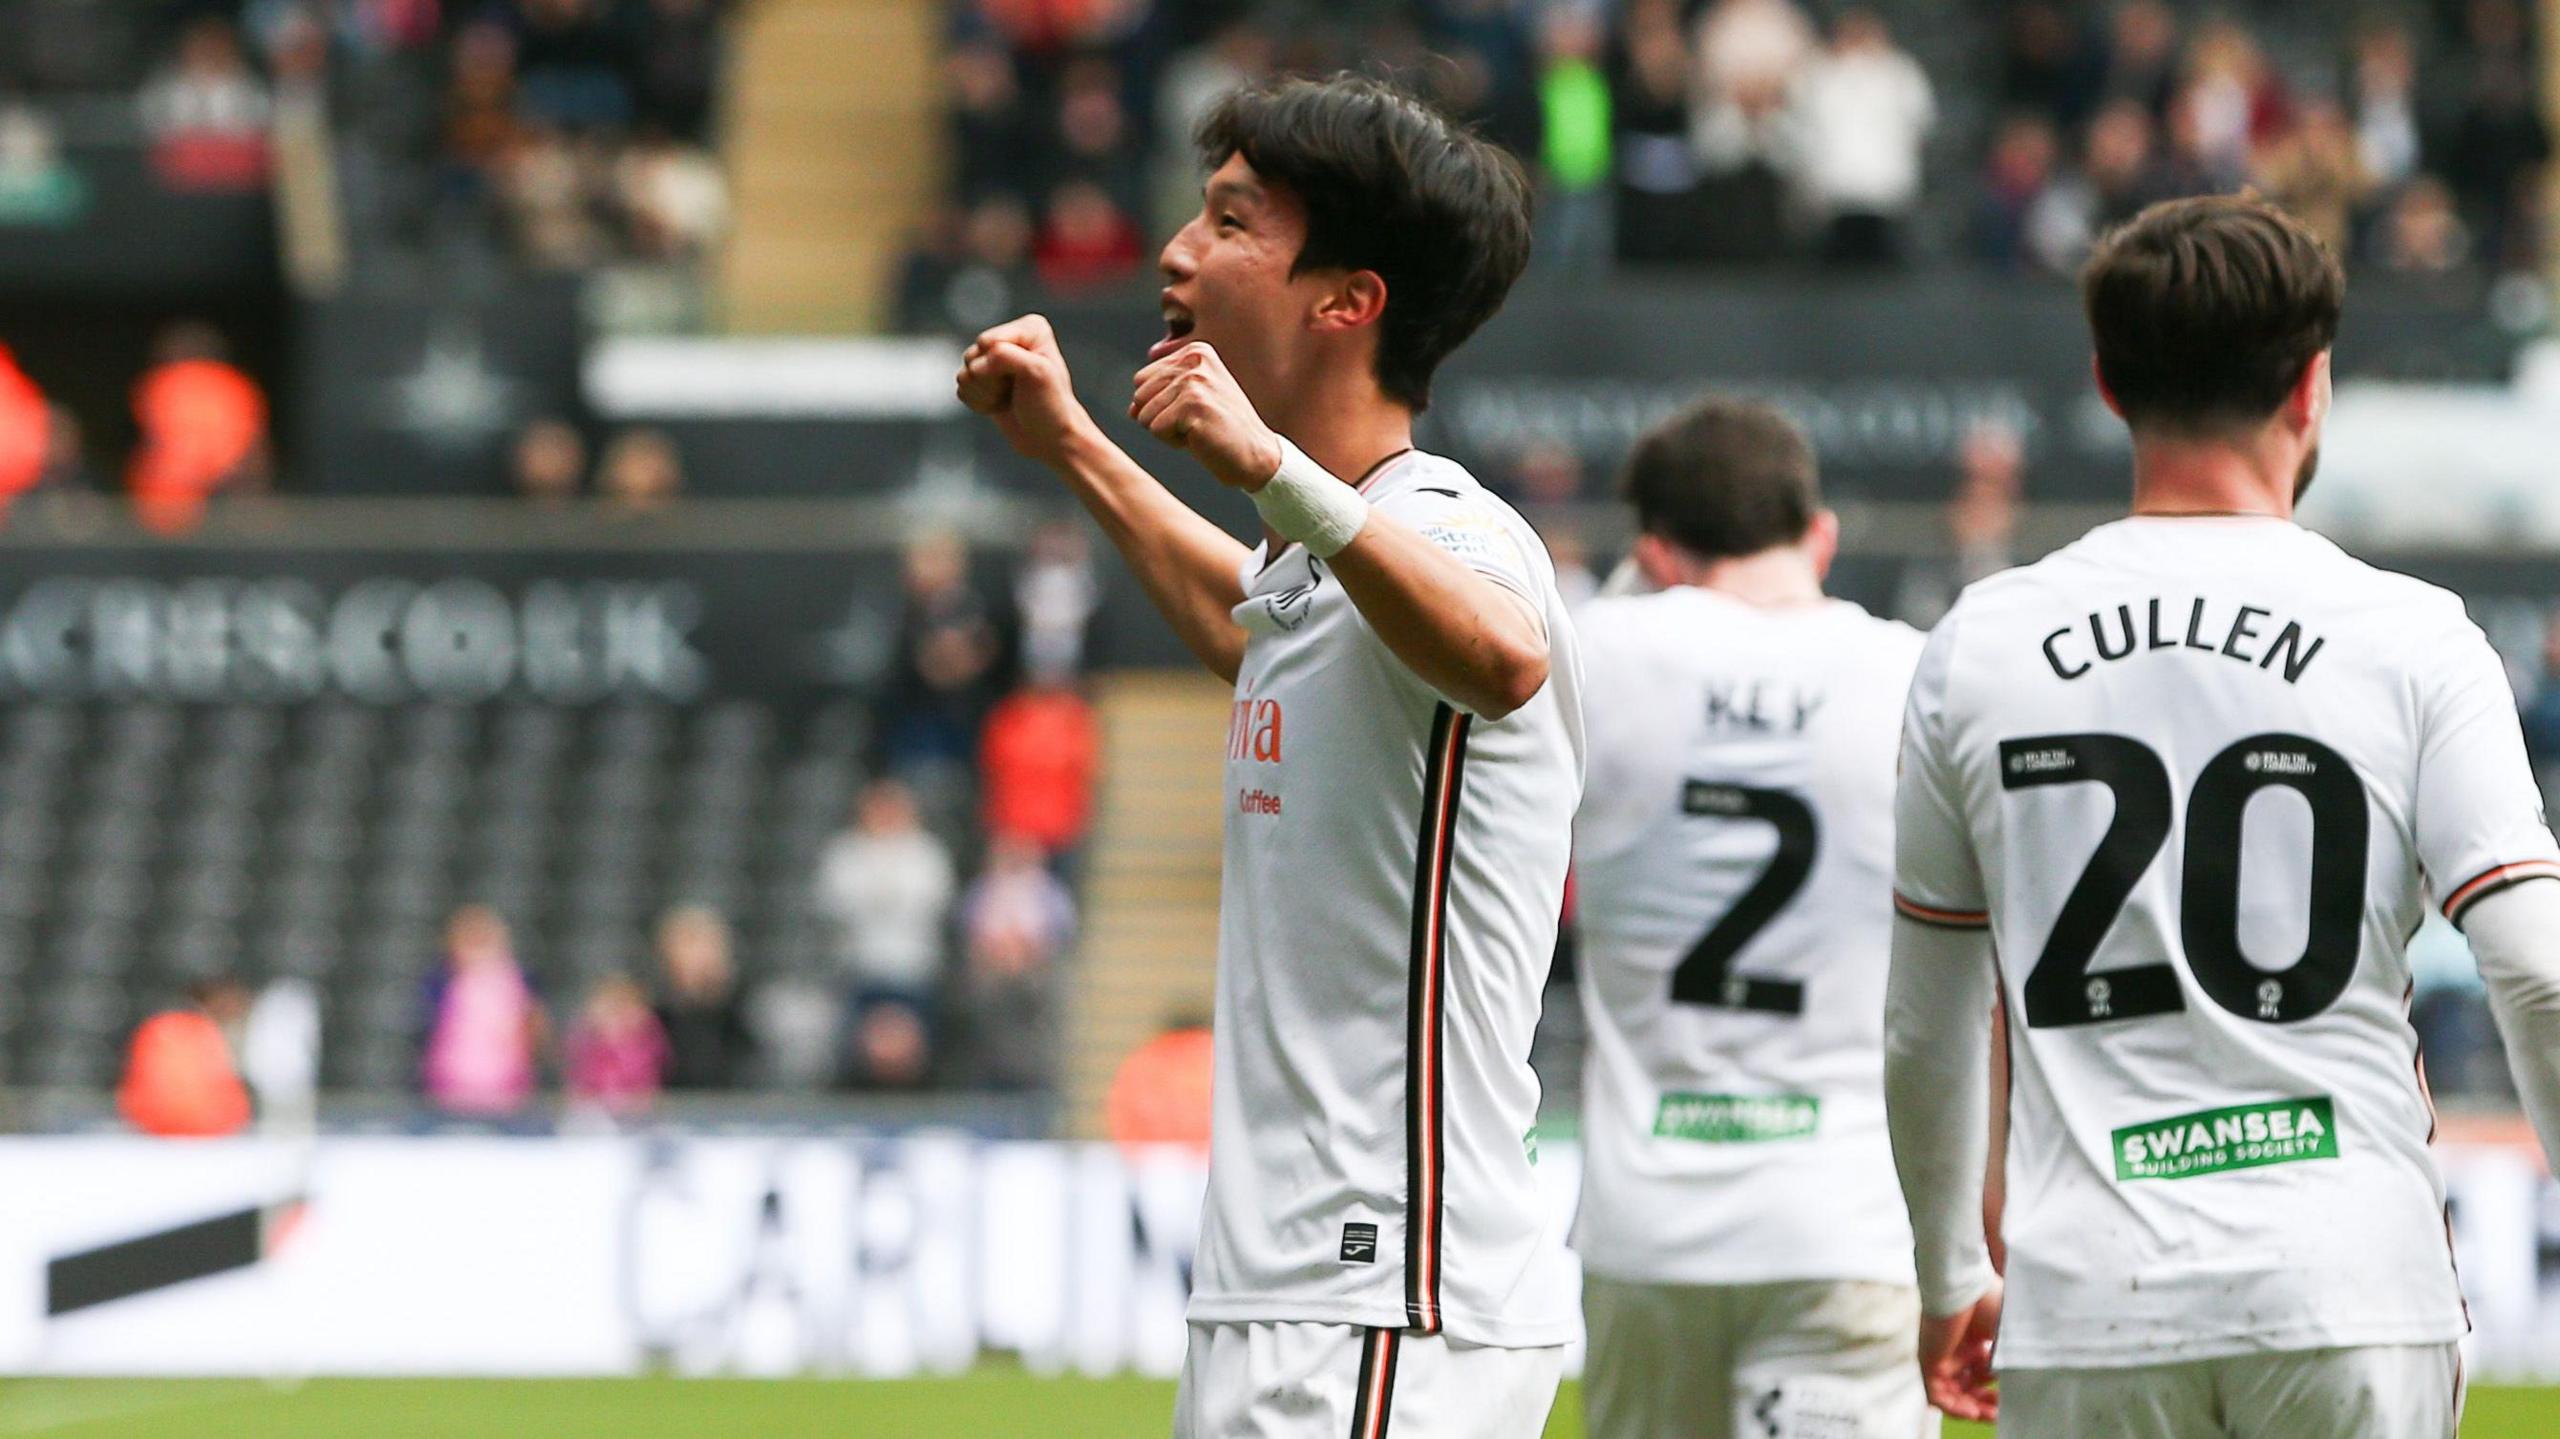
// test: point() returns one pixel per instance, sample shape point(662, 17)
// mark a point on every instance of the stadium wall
point(392, 600)
point(418, 392)
point(830, 1256)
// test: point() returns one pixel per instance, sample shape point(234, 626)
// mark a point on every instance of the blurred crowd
point(987, 755)
point(638, 471)
point(2416, 147)
point(945, 908)
point(1702, 132)
point(562, 133)
point(201, 433)
point(945, 899)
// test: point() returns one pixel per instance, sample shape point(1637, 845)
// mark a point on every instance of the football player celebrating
point(1404, 760)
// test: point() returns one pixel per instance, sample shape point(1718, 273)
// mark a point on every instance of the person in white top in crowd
point(1749, 50)
point(1054, 599)
point(1746, 1262)
point(280, 1055)
point(886, 885)
point(2177, 796)
point(1403, 761)
point(1861, 110)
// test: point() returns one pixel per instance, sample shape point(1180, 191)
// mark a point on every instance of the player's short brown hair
point(2205, 310)
point(1724, 478)
point(1390, 185)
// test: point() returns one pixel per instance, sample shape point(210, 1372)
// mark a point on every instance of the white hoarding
point(619, 1255)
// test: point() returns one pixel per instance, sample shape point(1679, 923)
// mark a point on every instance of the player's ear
point(2308, 403)
point(1822, 542)
point(2104, 393)
point(1357, 299)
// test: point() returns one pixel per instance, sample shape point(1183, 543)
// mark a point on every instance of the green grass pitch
point(990, 1405)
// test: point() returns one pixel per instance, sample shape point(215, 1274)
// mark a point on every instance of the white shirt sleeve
point(2478, 813)
point(2515, 933)
point(1937, 877)
point(1476, 530)
point(1938, 997)
point(1937, 1092)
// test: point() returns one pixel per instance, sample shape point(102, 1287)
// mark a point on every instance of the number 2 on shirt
point(1706, 975)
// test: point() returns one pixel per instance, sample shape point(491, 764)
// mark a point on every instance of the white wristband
point(1304, 502)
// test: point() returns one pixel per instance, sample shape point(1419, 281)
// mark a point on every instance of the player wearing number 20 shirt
point(1747, 1263)
point(2198, 776)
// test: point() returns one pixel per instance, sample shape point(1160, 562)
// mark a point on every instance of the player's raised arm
point(1467, 637)
point(1464, 635)
point(1015, 375)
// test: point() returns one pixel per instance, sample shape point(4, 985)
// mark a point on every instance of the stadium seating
point(153, 845)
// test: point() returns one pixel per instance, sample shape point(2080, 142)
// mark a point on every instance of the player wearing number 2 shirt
point(2196, 777)
point(1747, 1265)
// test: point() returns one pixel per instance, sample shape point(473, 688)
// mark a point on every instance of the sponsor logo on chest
point(1255, 731)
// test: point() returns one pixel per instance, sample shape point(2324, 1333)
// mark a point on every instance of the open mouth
point(1178, 324)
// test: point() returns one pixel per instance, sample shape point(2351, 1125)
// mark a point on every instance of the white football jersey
point(2200, 777)
point(1733, 865)
point(1394, 871)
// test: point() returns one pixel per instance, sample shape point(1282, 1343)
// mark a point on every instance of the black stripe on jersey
point(1393, 1343)
point(1373, 1405)
point(1443, 782)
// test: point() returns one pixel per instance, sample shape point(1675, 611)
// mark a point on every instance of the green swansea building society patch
point(2213, 1141)
point(1737, 1118)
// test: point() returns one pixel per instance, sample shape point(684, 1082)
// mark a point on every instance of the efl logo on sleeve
point(1359, 1244)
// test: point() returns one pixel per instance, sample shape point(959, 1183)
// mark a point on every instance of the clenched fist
point(1015, 376)
point(1188, 400)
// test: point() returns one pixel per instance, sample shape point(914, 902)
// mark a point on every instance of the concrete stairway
point(1151, 883)
point(834, 150)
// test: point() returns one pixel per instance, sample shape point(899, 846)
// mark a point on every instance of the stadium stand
point(1740, 131)
point(159, 845)
point(462, 203)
